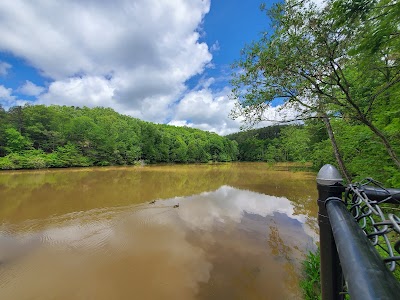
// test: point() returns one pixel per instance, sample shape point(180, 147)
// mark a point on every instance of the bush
point(6, 163)
point(36, 162)
point(53, 160)
point(70, 156)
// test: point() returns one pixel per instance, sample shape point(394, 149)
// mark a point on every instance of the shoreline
point(269, 165)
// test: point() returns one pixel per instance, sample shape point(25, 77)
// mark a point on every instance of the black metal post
point(329, 184)
point(366, 275)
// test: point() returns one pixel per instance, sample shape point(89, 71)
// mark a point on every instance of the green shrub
point(36, 162)
point(6, 163)
point(70, 156)
point(53, 160)
point(310, 284)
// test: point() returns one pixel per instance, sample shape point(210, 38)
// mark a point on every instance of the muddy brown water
point(240, 232)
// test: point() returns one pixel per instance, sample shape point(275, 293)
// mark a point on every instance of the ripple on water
point(216, 244)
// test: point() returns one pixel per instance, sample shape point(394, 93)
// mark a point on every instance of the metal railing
point(358, 222)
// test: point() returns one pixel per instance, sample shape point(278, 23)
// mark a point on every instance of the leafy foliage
point(309, 143)
point(60, 136)
point(338, 64)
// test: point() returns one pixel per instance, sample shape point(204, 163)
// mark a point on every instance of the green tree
point(296, 143)
point(84, 132)
point(16, 118)
point(72, 136)
point(3, 122)
point(70, 156)
point(39, 126)
point(179, 150)
point(15, 142)
point(311, 62)
point(252, 149)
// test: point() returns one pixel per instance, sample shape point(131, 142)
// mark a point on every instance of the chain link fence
point(376, 209)
point(359, 238)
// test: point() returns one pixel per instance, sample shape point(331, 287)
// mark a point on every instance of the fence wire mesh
point(378, 216)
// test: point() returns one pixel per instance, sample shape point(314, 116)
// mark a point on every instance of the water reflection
point(41, 194)
point(225, 244)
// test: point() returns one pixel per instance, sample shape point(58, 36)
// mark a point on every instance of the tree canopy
point(59, 136)
point(336, 62)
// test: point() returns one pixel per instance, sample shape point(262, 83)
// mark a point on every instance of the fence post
point(329, 184)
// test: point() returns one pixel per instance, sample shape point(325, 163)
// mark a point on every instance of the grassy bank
point(310, 283)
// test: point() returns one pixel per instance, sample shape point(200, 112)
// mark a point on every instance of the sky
point(164, 61)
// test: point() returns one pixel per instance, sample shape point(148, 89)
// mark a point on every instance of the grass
point(310, 284)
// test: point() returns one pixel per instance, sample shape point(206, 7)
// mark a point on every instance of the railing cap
point(329, 175)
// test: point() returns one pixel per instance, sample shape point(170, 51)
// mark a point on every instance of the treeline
point(264, 144)
point(41, 136)
point(362, 152)
point(336, 65)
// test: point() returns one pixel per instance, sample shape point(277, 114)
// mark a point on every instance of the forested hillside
point(59, 136)
point(363, 154)
point(264, 144)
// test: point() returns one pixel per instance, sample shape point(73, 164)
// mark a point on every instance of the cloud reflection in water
point(228, 243)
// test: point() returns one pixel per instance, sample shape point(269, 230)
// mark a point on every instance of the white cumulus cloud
point(206, 110)
point(130, 55)
point(4, 68)
point(89, 90)
point(31, 89)
point(5, 93)
point(7, 99)
point(134, 56)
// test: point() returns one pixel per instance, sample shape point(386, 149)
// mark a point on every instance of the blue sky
point(231, 24)
point(159, 60)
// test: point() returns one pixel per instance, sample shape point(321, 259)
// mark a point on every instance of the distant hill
point(260, 144)
point(264, 133)
point(38, 136)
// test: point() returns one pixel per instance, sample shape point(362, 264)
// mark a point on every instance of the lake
point(215, 231)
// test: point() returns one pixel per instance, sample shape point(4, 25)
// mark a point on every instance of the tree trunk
point(335, 147)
